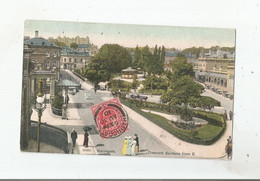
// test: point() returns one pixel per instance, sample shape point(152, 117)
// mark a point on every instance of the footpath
point(73, 122)
point(217, 150)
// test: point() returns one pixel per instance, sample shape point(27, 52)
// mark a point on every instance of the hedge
point(206, 135)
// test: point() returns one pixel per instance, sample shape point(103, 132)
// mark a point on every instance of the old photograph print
point(127, 90)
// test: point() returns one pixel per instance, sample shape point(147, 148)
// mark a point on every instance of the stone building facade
point(41, 60)
point(217, 74)
point(45, 59)
point(73, 60)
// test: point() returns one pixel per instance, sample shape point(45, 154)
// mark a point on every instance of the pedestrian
point(95, 89)
point(230, 115)
point(74, 136)
point(225, 115)
point(137, 143)
point(85, 143)
point(228, 147)
point(133, 148)
point(124, 146)
point(128, 149)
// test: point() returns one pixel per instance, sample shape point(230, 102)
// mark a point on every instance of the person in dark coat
point(136, 138)
point(85, 143)
point(74, 136)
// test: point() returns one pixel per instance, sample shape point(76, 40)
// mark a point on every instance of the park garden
point(179, 94)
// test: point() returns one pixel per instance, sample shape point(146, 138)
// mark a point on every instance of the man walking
point(74, 136)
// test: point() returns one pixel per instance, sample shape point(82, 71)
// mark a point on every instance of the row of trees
point(112, 58)
point(152, 63)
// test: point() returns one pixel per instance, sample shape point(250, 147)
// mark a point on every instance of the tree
point(96, 70)
point(154, 82)
point(167, 96)
point(115, 56)
point(184, 88)
point(180, 67)
point(137, 57)
point(134, 83)
point(74, 45)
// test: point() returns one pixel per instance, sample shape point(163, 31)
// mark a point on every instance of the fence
point(51, 135)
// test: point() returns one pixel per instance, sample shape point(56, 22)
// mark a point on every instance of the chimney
point(36, 33)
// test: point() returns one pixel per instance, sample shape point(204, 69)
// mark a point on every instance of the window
point(47, 54)
point(69, 59)
point(47, 65)
point(75, 66)
point(81, 60)
point(54, 64)
point(54, 54)
point(64, 59)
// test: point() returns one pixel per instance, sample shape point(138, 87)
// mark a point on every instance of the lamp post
point(39, 108)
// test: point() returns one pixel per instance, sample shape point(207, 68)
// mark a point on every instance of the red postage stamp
point(110, 117)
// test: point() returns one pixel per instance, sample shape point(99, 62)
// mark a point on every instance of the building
point(129, 73)
point(92, 49)
point(73, 60)
point(41, 60)
point(45, 62)
point(217, 74)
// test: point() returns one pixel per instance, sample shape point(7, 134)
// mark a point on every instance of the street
point(148, 143)
point(225, 102)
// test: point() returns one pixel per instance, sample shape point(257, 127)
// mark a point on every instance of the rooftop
point(129, 69)
point(39, 42)
point(84, 45)
point(75, 53)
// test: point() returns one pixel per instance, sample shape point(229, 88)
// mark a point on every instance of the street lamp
point(39, 108)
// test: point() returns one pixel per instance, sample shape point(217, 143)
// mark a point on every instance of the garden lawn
point(205, 135)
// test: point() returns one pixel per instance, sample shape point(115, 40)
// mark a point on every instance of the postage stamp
point(127, 90)
point(111, 119)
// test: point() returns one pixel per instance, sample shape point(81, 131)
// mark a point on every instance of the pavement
point(217, 150)
point(72, 121)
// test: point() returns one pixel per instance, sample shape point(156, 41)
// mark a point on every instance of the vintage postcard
point(127, 90)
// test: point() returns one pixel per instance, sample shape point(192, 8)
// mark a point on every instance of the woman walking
point(124, 146)
point(85, 143)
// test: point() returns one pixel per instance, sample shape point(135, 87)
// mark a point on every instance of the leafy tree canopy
point(74, 45)
point(180, 67)
point(154, 82)
point(184, 87)
point(96, 70)
point(115, 56)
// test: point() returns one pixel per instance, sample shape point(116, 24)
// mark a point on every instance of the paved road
point(225, 102)
point(148, 143)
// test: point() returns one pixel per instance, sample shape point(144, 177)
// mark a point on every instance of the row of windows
point(47, 64)
point(54, 54)
point(75, 60)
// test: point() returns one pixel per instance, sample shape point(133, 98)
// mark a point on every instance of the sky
point(133, 35)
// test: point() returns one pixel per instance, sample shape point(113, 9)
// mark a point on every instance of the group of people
point(230, 115)
point(74, 136)
point(228, 147)
point(131, 146)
